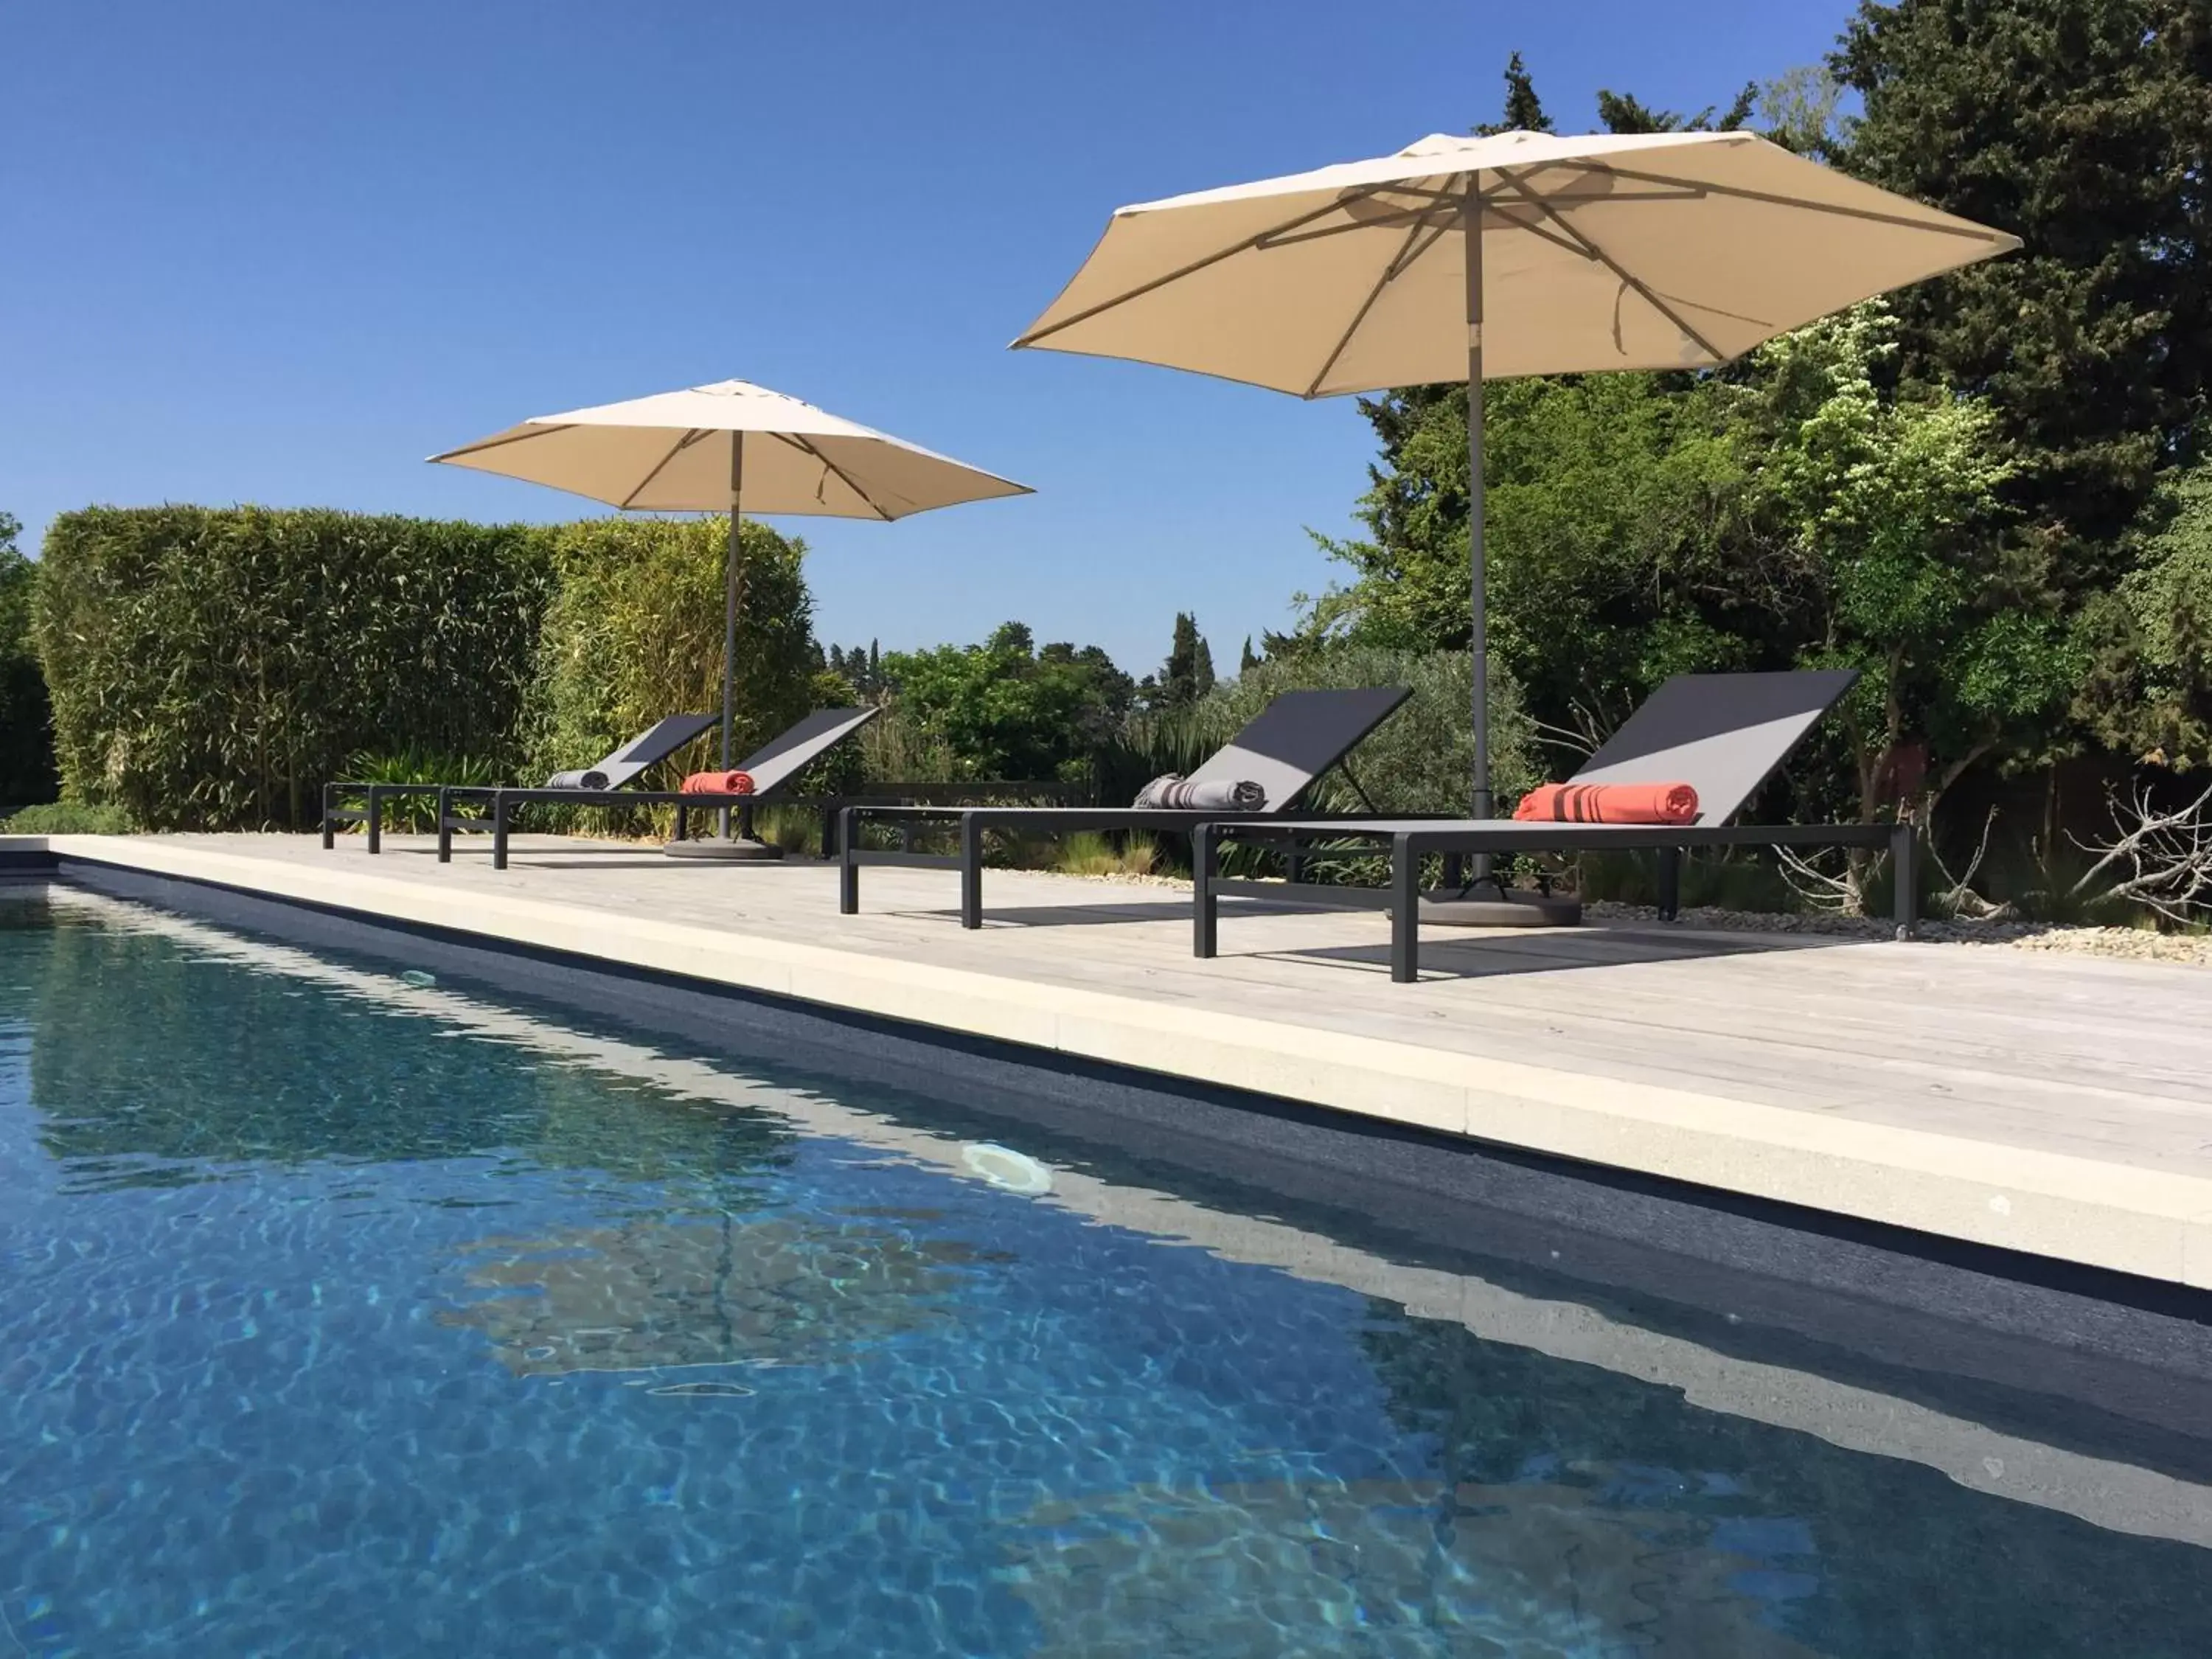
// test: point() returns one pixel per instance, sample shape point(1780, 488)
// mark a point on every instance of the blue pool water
point(341, 1315)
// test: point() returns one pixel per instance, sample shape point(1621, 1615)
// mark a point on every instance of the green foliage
point(1420, 760)
point(2082, 126)
point(1188, 674)
point(634, 633)
point(2148, 693)
point(1524, 111)
point(1799, 513)
point(1617, 112)
point(27, 772)
point(1004, 709)
point(1617, 517)
point(67, 817)
point(1089, 853)
point(1885, 513)
point(417, 765)
point(210, 668)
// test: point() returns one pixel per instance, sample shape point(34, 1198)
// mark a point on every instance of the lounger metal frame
point(1267, 750)
point(500, 805)
point(1409, 840)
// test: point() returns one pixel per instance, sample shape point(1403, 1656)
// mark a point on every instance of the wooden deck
point(2053, 1103)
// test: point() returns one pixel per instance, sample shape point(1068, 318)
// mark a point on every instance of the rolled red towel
point(1609, 803)
point(718, 783)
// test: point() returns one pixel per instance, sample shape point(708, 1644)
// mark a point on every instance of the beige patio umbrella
point(728, 448)
point(1474, 258)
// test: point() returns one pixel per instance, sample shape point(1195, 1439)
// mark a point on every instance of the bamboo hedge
point(210, 669)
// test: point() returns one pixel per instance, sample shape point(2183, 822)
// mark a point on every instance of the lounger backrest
point(1297, 737)
point(791, 752)
point(651, 748)
point(1723, 734)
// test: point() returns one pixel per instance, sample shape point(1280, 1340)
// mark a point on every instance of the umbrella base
point(734, 850)
point(1511, 907)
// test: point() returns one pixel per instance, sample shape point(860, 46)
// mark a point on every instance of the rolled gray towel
point(577, 781)
point(1171, 793)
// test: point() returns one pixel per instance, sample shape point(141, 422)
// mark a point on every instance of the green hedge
point(634, 632)
point(210, 668)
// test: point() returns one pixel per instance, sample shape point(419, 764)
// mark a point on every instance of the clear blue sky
point(279, 253)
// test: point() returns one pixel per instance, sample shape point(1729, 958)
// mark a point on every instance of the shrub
point(67, 817)
point(1089, 853)
point(416, 765)
point(210, 668)
point(1420, 760)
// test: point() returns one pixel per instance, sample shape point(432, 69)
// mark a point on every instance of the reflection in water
point(1538, 1570)
point(656, 1295)
point(252, 1066)
point(282, 1235)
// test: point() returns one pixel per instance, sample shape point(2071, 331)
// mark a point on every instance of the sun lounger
point(1723, 734)
point(770, 769)
point(1298, 737)
point(624, 766)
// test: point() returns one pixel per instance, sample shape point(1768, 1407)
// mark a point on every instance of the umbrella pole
point(732, 583)
point(1471, 221)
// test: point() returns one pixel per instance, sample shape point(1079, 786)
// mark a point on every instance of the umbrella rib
point(1398, 263)
point(1975, 234)
point(660, 466)
point(501, 442)
point(1192, 268)
point(850, 483)
point(1615, 267)
point(1391, 221)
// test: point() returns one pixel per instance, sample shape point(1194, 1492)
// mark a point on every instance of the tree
point(28, 773)
point(1247, 662)
point(1619, 112)
point(1886, 514)
point(1006, 710)
point(2084, 126)
point(2148, 690)
point(1524, 111)
point(1188, 675)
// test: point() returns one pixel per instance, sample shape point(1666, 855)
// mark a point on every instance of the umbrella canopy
point(1521, 253)
point(727, 447)
point(678, 452)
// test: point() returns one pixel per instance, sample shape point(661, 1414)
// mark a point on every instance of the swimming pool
point(345, 1310)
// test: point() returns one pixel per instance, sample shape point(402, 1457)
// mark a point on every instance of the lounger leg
point(849, 868)
point(1405, 912)
point(499, 832)
point(746, 821)
point(445, 828)
point(375, 819)
point(682, 822)
point(1204, 917)
point(1455, 876)
point(1904, 868)
point(971, 871)
point(329, 801)
point(1670, 882)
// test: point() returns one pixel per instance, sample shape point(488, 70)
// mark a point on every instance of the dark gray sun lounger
point(624, 766)
point(783, 758)
point(1295, 739)
point(1723, 734)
